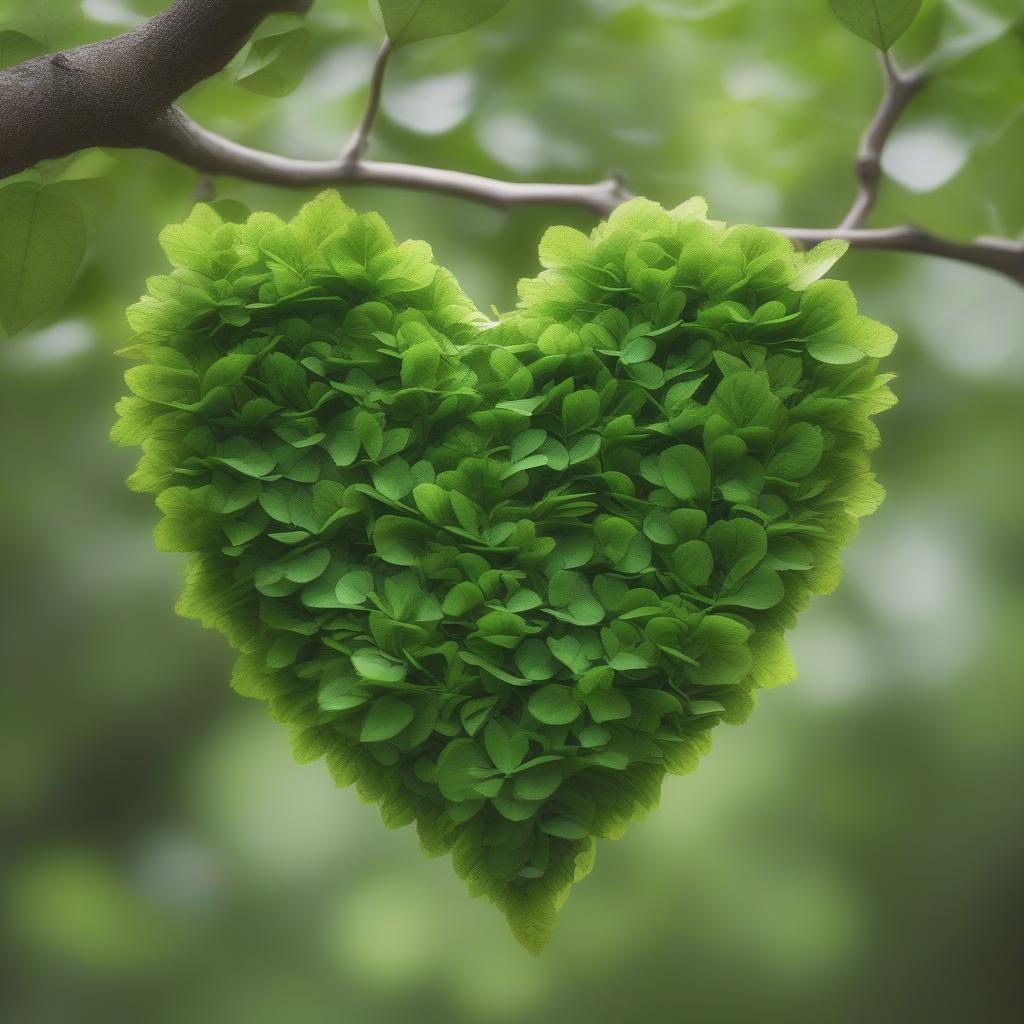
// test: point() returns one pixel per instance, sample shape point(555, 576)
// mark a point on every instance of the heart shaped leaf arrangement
point(504, 577)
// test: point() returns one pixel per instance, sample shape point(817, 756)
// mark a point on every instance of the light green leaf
point(799, 451)
point(227, 370)
point(275, 61)
point(42, 244)
point(376, 667)
point(409, 21)
point(810, 266)
point(352, 248)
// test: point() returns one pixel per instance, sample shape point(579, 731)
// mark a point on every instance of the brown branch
point(121, 93)
point(1000, 254)
point(361, 136)
point(900, 88)
point(109, 93)
point(179, 137)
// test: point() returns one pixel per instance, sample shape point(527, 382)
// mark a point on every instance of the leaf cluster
point(505, 577)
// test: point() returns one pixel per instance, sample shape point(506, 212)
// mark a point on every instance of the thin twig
point(1000, 254)
point(357, 144)
point(120, 93)
point(900, 88)
point(177, 136)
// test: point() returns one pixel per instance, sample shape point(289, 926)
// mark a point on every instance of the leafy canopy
point(504, 577)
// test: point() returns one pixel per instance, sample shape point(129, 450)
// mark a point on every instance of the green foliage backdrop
point(851, 853)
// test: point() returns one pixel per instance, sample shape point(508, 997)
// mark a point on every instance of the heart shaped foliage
point(504, 577)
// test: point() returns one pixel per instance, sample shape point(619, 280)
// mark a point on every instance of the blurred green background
point(853, 853)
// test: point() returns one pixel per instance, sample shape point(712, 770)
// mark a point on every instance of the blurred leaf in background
point(880, 22)
point(275, 60)
point(43, 237)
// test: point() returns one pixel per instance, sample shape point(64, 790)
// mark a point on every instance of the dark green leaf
point(386, 718)
point(881, 22)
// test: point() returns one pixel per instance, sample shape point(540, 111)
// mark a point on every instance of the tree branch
point(999, 254)
point(361, 136)
point(900, 89)
point(177, 136)
point(121, 93)
point(109, 93)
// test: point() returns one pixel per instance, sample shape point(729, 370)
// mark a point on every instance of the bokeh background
point(853, 853)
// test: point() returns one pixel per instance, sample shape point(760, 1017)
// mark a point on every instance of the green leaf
point(227, 370)
point(386, 719)
point(308, 566)
point(692, 562)
point(569, 651)
point(246, 457)
point(685, 471)
point(563, 828)
point(232, 211)
point(880, 22)
point(798, 453)
point(401, 541)
point(459, 769)
point(810, 266)
point(580, 409)
point(850, 340)
point(370, 434)
point(608, 706)
point(737, 546)
point(538, 783)
point(376, 667)
point(462, 598)
point(275, 61)
point(761, 589)
point(409, 21)
point(534, 660)
point(42, 245)
point(726, 665)
point(554, 705)
point(744, 400)
point(474, 713)
point(338, 696)
point(432, 502)
point(506, 749)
